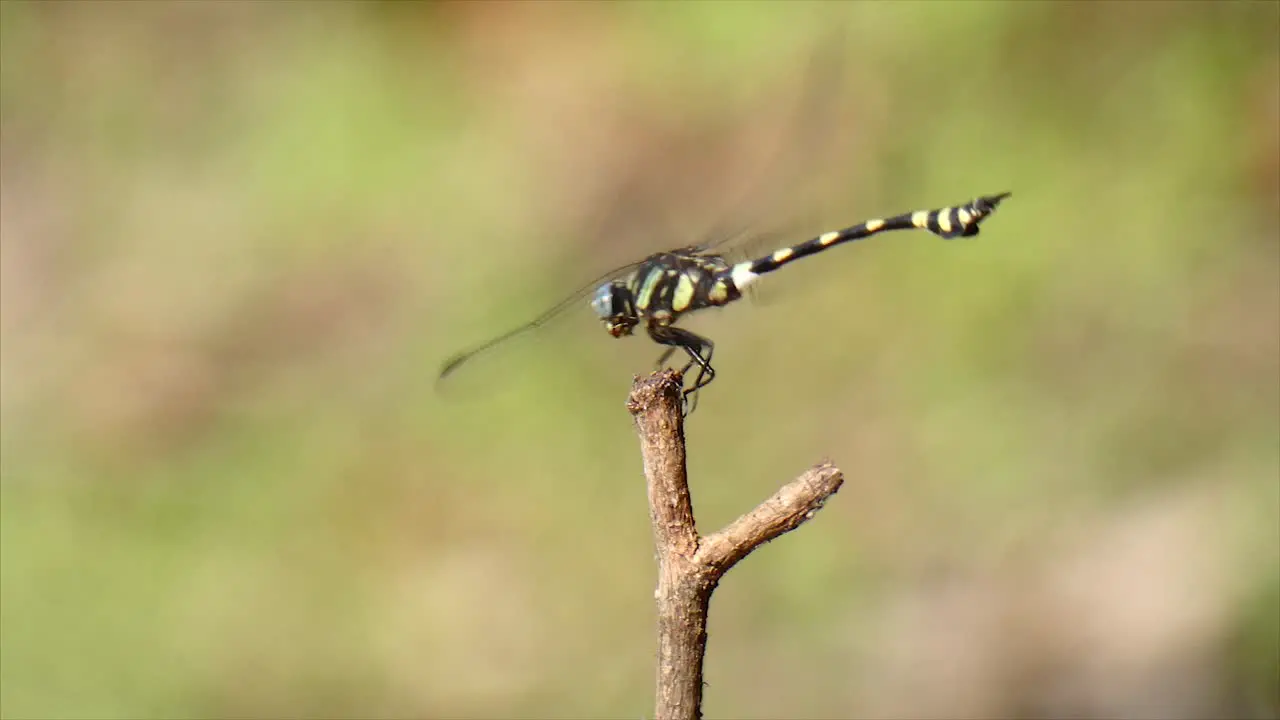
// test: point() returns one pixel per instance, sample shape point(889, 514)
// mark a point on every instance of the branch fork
point(689, 565)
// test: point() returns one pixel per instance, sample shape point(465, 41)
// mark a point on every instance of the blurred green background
point(240, 238)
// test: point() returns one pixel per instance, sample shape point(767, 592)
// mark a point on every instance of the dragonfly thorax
point(615, 306)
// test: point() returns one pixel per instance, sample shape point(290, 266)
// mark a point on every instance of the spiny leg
point(694, 345)
point(662, 359)
point(666, 355)
point(705, 369)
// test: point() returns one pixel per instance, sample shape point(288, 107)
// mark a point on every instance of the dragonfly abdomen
point(947, 223)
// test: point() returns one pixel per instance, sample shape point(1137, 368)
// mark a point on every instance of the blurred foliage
point(239, 238)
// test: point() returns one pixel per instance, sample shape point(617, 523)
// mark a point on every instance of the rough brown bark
point(689, 566)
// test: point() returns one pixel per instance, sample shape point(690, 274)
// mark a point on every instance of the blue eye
point(602, 303)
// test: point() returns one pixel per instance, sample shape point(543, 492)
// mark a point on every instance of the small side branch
point(788, 509)
point(689, 566)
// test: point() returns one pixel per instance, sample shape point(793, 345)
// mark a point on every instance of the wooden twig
point(689, 566)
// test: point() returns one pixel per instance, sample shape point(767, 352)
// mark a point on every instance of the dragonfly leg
point(699, 350)
point(706, 373)
point(662, 360)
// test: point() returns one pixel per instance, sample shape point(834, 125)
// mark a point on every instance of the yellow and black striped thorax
point(671, 283)
point(663, 287)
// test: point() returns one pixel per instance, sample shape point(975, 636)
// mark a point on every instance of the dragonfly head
point(612, 304)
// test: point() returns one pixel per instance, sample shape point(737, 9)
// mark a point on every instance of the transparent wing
point(742, 233)
point(451, 365)
point(801, 138)
point(635, 197)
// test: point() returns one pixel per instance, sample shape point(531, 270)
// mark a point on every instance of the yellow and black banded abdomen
point(954, 222)
point(948, 222)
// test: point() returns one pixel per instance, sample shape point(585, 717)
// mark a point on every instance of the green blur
point(239, 240)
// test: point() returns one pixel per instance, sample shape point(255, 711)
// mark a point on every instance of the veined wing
point(735, 226)
point(452, 364)
point(574, 299)
point(800, 140)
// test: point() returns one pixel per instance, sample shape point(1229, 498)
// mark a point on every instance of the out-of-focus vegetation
point(239, 239)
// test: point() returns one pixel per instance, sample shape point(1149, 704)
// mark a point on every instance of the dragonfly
point(656, 292)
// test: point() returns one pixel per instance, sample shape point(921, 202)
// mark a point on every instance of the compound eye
point(602, 302)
